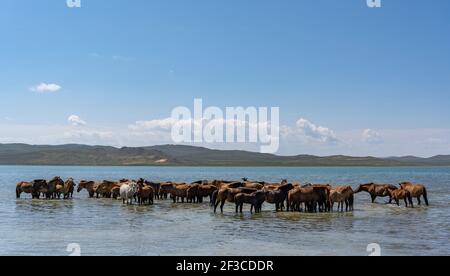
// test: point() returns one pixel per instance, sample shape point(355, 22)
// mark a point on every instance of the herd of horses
point(293, 197)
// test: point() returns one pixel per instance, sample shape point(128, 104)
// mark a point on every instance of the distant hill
point(177, 155)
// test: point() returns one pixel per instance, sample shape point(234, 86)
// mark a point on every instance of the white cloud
point(314, 132)
point(46, 88)
point(122, 58)
point(163, 124)
point(371, 136)
point(75, 120)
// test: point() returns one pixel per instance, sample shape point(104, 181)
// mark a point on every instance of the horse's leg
point(216, 204)
point(397, 201)
point(418, 200)
point(373, 198)
point(237, 208)
point(221, 206)
point(425, 197)
point(406, 202)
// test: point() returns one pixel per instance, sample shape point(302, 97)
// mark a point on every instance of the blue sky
point(338, 64)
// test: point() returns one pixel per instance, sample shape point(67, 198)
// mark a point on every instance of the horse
point(341, 195)
point(228, 194)
point(52, 191)
point(179, 191)
point(255, 199)
point(40, 186)
point(24, 187)
point(376, 190)
point(165, 189)
point(416, 190)
point(145, 193)
point(68, 188)
point(299, 196)
point(90, 186)
point(398, 194)
point(278, 195)
point(128, 191)
point(197, 192)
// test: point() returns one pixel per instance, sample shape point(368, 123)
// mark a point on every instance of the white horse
point(128, 191)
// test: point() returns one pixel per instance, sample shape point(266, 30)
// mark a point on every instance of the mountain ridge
point(182, 155)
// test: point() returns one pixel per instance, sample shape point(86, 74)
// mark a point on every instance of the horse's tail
point(17, 192)
point(214, 197)
point(425, 195)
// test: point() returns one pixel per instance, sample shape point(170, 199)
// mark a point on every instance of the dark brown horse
point(255, 199)
point(278, 196)
point(145, 194)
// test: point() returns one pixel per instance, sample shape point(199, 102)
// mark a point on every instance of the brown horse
point(278, 196)
point(156, 188)
point(24, 187)
point(68, 188)
point(90, 186)
point(309, 196)
point(104, 189)
point(145, 194)
point(228, 194)
point(179, 192)
point(416, 190)
point(376, 190)
point(197, 192)
point(53, 186)
point(40, 186)
point(341, 195)
point(399, 194)
point(255, 199)
point(253, 185)
point(165, 189)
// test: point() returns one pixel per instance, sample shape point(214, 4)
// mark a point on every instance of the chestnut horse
point(416, 190)
point(341, 195)
point(24, 187)
point(376, 190)
point(227, 194)
point(68, 188)
point(398, 194)
point(90, 186)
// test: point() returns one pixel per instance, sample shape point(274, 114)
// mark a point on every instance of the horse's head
point(363, 188)
point(81, 186)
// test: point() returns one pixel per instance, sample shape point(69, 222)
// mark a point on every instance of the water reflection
point(29, 226)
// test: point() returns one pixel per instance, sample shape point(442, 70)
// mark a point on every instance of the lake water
point(106, 227)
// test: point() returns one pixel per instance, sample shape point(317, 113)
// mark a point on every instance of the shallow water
point(106, 227)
